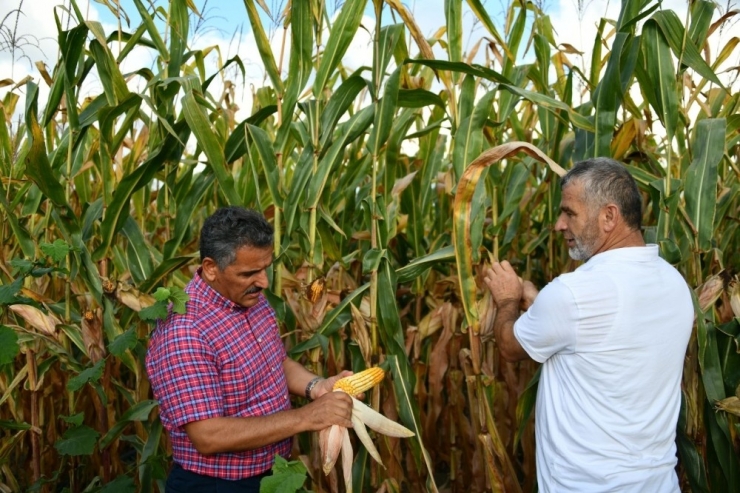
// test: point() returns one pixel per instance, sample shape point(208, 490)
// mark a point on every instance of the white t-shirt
point(612, 336)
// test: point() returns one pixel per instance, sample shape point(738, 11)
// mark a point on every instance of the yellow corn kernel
point(358, 383)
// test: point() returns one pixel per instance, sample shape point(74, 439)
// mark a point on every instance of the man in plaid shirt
point(220, 371)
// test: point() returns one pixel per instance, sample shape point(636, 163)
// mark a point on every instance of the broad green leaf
point(19, 232)
point(269, 167)
point(57, 251)
point(683, 47)
point(418, 266)
point(137, 252)
point(453, 16)
point(157, 311)
point(607, 98)
point(122, 484)
point(186, 210)
point(114, 85)
point(80, 440)
point(349, 131)
point(178, 23)
point(152, 30)
point(659, 83)
point(403, 388)
point(338, 104)
point(418, 98)
point(340, 36)
point(75, 420)
point(123, 343)
point(116, 213)
point(384, 115)
point(299, 66)
point(91, 374)
point(701, 19)
point(138, 412)
point(387, 42)
point(209, 142)
point(702, 177)
point(9, 348)
point(8, 292)
point(468, 141)
point(263, 45)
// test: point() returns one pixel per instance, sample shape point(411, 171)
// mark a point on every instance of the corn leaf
point(702, 177)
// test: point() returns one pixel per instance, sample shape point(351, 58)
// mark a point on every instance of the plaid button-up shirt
point(218, 359)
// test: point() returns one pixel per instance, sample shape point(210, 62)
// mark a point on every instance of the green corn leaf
point(236, 144)
point(387, 43)
point(453, 16)
point(179, 24)
point(341, 35)
point(403, 385)
point(152, 29)
point(209, 142)
point(164, 269)
point(683, 47)
point(338, 104)
point(384, 115)
point(266, 155)
point(702, 177)
point(657, 76)
point(468, 141)
point(117, 211)
point(350, 130)
point(263, 45)
point(418, 98)
point(138, 412)
point(186, 211)
point(418, 266)
point(299, 66)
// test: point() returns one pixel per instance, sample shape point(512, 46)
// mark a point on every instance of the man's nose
point(261, 281)
point(560, 224)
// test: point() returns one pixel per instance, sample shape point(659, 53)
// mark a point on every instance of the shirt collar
point(645, 253)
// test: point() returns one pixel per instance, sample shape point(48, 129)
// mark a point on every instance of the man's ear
point(210, 269)
point(611, 217)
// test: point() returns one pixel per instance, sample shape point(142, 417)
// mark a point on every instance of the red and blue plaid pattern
point(218, 359)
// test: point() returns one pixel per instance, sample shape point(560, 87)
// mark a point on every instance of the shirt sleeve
point(190, 389)
point(551, 323)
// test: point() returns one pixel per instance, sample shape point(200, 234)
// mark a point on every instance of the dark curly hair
point(231, 228)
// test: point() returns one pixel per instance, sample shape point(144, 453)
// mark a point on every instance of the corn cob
point(358, 383)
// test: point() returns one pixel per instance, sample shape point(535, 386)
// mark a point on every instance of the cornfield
point(390, 187)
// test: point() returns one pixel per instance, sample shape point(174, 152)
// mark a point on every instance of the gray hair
point(608, 181)
point(231, 228)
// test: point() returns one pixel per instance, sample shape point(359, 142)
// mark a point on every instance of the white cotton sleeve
point(551, 323)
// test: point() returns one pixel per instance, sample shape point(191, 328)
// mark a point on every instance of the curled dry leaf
point(735, 297)
point(730, 405)
point(710, 291)
point(132, 297)
point(92, 334)
point(36, 318)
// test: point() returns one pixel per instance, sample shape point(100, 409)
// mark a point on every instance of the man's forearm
point(296, 376)
point(503, 328)
point(233, 434)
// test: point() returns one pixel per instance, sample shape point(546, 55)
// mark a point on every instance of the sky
point(226, 26)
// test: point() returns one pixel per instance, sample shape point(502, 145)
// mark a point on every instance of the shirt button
point(259, 339)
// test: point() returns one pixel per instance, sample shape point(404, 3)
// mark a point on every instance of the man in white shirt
point(611, 335)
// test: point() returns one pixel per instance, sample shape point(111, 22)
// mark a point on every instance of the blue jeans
point(182, 481)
